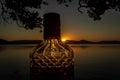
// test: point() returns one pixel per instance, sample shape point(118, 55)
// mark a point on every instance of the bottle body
point(52, 60)
point(53, 54)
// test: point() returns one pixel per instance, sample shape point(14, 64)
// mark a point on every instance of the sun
point(63, 39)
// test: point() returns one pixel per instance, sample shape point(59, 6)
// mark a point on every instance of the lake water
point(92, 62)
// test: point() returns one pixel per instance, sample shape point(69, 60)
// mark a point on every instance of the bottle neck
point(52, 40)
point(52, 32)
point(51, 25)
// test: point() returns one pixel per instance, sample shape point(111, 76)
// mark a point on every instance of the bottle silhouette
point(52, 59)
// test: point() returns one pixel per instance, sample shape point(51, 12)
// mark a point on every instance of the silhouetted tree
point(96, 8)
point(24, 13)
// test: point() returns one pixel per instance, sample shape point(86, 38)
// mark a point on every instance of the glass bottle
point(52, 59)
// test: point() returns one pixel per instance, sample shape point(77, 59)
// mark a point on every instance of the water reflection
point(95, 62)
point(14, 62)
point(2, 48)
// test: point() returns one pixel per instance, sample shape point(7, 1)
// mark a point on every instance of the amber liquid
point(52, 73)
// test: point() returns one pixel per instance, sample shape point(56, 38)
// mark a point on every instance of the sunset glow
point(74, 26)
point(63, 39)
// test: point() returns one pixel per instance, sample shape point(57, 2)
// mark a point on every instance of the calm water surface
point(92, 62)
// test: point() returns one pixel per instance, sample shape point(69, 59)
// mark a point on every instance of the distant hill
point(2, 41)
point(109, 42)
point(79, 42)
point(90, 42)
point(25, 42)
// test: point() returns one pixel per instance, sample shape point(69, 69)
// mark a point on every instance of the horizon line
point(66, 40)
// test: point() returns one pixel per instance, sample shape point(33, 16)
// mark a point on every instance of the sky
point(74, 25)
